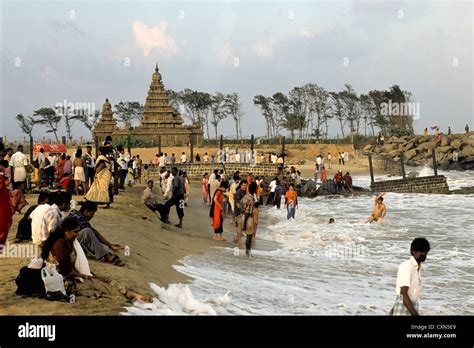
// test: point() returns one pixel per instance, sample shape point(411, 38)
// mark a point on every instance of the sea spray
point(176, 300)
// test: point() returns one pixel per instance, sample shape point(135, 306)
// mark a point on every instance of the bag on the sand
point(53, 280)
point(30, 283)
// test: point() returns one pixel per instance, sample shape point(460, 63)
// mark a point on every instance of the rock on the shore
point(417, 150)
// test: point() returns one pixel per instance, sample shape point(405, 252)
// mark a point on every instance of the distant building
point(159, 119)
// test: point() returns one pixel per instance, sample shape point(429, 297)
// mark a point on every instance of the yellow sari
point(99, 191)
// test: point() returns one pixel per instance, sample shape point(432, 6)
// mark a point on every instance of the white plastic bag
point(53, 280)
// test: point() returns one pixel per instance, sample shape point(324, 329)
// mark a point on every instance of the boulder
point(413, 174)
point(390, 147)
point(466, 151)
point(426, 146)
point(456, 144)
point(410, 154)
point(368, 148)
point(444, 141)
point(309, 189)
point(378, 149)
point(444, 149)
point(394, 153)
point(469, 141)
point(410, 144)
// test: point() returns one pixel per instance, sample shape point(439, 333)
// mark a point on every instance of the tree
point(368, 110)
point(234, 108)
point(69, 117)
point(90, 120)
point(293, 122)
point(49, 118)
point(400, 114)
point(196, 105)
point(264, 104)
point(218, 110)
point(352, 112)
point(378, 99)
point(128, 112)
point(26, 124)
point(280, 106)
point(337, 109)
point(319, 104)
point(175, 100)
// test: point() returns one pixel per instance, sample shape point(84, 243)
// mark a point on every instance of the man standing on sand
point(177, 197)
point(329, 160)
point(380, 210)
point(19, 164)
point(408, 286)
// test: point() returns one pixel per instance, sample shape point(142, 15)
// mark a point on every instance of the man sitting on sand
point(380, 210)
point(149, 200)
point(91, 240)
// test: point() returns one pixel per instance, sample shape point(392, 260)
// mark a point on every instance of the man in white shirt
point(41, 158)
point(19, 164)
point(123, 163)
point(168, 185)
point(408, 286)
point(183, 158)
point(161, 161)
point(46, 218)
point(329, 160)
point(205, 159)
point(271, 195)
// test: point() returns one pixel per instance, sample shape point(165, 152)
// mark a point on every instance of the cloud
point(306, 33)
point(226, 54)
point(62, 26)
point(148, 38)
point(261, 49)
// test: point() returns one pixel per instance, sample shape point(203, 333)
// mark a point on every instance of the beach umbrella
point(56, 148)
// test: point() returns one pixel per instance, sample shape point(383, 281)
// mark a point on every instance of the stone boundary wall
point(425, 184)
point(196, 171)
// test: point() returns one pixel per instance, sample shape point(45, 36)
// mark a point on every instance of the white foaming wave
point(176, 300)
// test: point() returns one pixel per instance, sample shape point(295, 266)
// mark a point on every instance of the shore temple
point(160, 123)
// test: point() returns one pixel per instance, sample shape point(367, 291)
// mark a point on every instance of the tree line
point(304, 112)
point(307, 110)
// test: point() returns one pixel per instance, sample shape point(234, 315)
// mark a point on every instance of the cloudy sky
point(85, 51)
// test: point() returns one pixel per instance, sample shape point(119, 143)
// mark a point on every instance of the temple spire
point(156, 67)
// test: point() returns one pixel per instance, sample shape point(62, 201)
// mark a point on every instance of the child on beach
point(291, 202)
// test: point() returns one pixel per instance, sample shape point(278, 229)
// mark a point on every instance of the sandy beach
point(154, 249)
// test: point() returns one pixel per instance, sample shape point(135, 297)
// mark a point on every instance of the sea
point(307, 266)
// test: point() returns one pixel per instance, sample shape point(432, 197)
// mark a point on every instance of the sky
point(86, 51)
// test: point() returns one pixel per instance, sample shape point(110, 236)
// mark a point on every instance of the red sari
point(218, 219)
point(6, 210)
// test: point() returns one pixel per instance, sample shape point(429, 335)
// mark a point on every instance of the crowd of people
point(67, 238)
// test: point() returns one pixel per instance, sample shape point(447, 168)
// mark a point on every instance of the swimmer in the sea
point(380, 210)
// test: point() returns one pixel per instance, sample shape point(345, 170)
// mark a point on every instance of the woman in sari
point(218, 213)
point(61, 249)
point(205, 187)
point(99, 191)
point(6, 210)
point(61, 162)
